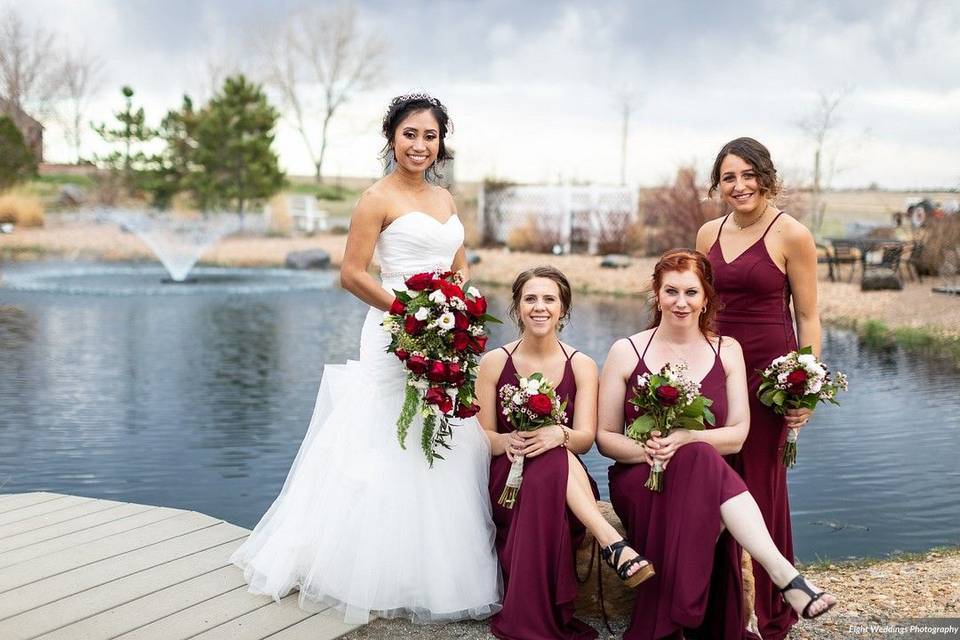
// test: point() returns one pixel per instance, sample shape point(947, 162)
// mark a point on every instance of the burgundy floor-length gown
point(755, 297)
point(537, 540)
point(697, 592)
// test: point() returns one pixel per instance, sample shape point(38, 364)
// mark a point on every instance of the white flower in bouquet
point(533, 386)
point(458, 304)
point(422, 314)
point(518, 399)
point(446, 321)
point(437, 297)
point(473, 292)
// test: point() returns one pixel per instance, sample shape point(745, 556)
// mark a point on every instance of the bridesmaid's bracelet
point(566, 437)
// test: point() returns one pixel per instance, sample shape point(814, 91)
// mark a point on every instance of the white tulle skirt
point(369, 528)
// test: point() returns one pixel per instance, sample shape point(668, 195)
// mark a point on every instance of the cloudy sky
point(533, 86)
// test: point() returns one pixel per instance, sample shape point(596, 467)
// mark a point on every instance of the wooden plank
point(13, 501)
point(322, 626)
point(26, 513)
point(62, 612)
point(259, 623)
point(149, 608)
point(202, 616)
point(67, 559)
point(85, 577)
point(56, 516)
point(84, 529)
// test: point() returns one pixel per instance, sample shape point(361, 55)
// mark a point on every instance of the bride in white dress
point(361, 524)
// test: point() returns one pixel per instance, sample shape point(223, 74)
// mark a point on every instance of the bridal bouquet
point(437, 329)
point(531, 404)
point(669, 400)
point(798, 380)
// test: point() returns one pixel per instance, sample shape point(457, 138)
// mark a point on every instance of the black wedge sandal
point(800, 584)
point(611, 555)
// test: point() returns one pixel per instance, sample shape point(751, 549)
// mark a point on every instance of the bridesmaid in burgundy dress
point(537, 539)
point(698, 588)
point(763, 260)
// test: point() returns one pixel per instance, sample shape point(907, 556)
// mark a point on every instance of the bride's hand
point(512, 445)
point(540, 440)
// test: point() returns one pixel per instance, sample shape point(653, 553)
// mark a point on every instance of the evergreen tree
point(16, 160)
point(233, 135)
point(170, 171)
point(131, 132)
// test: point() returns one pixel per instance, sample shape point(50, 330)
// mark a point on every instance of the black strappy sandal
point(800, 584)
point(611, 555)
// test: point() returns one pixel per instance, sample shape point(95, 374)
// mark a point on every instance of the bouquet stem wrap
point(508, 497)
point(790, 449)
point(655, 480)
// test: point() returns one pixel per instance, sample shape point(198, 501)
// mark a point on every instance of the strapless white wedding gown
point(361, 524)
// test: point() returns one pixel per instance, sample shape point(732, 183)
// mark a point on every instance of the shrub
point(941, 246)
point(537, 235)
point(677, 211)
point(16, 160)
point(22, 210)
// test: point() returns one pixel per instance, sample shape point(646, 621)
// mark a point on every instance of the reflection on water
point(200, 402)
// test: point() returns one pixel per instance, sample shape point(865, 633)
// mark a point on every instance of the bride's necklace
point(752, 222)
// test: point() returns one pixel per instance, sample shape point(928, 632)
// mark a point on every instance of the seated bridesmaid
point(537, 539)
point(691, 530)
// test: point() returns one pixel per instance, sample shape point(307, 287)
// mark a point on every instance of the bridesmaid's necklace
point(751, 223)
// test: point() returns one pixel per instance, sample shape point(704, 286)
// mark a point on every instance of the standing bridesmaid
point(763, 260)
point(537, 539)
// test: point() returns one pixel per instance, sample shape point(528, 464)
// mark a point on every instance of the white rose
point(437, 297)
point(422, 314)
point(446, 321)
point(814, 386)
point(533, 386)
point(807, 360)
point(473, 292)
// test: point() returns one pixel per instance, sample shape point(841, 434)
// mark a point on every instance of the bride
point(361, 524)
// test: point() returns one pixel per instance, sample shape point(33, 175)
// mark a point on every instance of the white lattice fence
point(576, 218)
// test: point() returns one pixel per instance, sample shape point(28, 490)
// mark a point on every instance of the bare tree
point(317, 62)
point(30, 70)
point(819, 125)
point(81, 80)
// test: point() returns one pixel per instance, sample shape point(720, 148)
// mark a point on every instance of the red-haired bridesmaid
point(764, 261)
point(693, 530)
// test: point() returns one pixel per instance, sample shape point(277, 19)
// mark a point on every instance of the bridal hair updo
point(550, 273)
point(401, 107)
point(754, 154)
point(687, 260)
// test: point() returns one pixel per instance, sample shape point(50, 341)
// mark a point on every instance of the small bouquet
point(798, 380)
point(527, 407)
point(669, 400)
point(437, 329)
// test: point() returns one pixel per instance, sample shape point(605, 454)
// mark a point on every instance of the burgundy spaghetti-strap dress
point(697, 591)
point(537, 540)
point(755, 297)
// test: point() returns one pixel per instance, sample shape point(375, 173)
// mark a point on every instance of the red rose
point(478, 344)
point(451, 290)
point(413, 326)
point(436, 371)
point(400, 353)
point(455, 374)
point(477, 306)
point(540, 404)
point(398, 308)
point(461, 340)
point(668, 395)
point(439, 397)
point(460, 321)
point(417, 364)
point(797, 381)
point(467, 410)
point(419, 282)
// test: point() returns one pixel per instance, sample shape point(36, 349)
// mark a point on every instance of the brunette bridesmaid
point(693, 530)
point(537, 539)
point(764, 261)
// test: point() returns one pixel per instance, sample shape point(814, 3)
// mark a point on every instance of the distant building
point(31, 130)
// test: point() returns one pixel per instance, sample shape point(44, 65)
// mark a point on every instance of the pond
point(200, 402)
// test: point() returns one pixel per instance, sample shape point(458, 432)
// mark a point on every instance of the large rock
point(615, 261)
point(309, 259)
point(617, 598)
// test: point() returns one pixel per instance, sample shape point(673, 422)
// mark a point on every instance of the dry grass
point(21, 209)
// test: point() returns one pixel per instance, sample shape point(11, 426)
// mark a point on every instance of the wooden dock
point(75, 568)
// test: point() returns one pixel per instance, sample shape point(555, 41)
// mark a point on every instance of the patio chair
point(910, 260)
point(843, 252)
point(884, 272)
